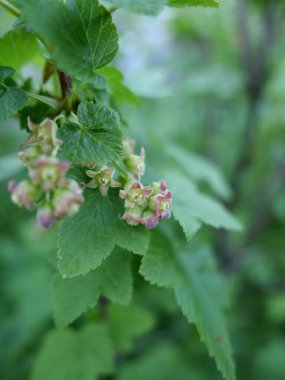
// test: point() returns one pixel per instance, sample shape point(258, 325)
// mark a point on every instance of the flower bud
point(151, 220)
point(29, 156)
point(25, 193)
point(44, 134)
point(49, 173)
point(45, 215)
point(134, 194)
point(133, 216)
point(136, 164)
point(67, 201)
point(128, 146)
point(102, 179)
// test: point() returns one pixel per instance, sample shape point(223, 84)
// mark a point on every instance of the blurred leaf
point(79, 35)
point(12, 98)
point(161, 362)
point(190, 207)
point(127, 323)
point(269, 363)
point(73, 355)
point(96, 138)
point(118, 90)
point(200, 170)
point(72, 297)
point(89, 237)
point(17, 48)
point(198, 290)
point(187, 3)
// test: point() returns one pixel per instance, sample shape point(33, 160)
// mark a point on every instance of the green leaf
point(73, 296)
point(198, 290)
point(187, 3)
point(97, 137)
point(164, 361)
point(191, 208)
point(17, 48)
point(79, 35)
point(200, 170)
point(12, 98)
point(89, 237)
point(127, 323)
point(116, 87)
point(149, 7)
point(73, 355)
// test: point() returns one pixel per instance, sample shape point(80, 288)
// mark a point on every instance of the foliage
point(153, 273)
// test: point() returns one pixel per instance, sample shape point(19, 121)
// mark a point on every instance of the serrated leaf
point(79, 35)
point(198, 290)
point(73, 296)
point(149, 7)
point(115, 81)
point(17, 47)
point(191, 208)
point(12, 98)
point(127, 323)
point(89, 237)
point(73, 355)
point(193, 3)
point(96, 138)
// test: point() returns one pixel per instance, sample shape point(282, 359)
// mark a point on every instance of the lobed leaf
point(89, 237)
point(17, 48)
point(79, 35)
point(73, 355)
point(198, 290)
point(96, 138)
point(73, 296)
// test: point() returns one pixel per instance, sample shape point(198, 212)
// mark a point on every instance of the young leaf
point(17, 48)
point(73, 296)
point(73, 355)
point(89, 237)
point(12, 98)
point(97, 137)
point(79, 35)
point(198, 291)
point(190, 208)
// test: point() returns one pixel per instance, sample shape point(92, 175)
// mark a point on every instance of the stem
point(10, 8)
point(121, 170)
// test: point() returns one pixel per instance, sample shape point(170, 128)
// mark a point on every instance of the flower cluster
point(143, 205)
point(47, 188)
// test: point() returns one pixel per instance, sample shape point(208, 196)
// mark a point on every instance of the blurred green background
point(213, 96)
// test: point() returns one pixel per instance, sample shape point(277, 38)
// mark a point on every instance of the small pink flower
point(66, 202)
point(49, 173)
point(133, 216)
point(45, 215)
point(25, 193)
point(102, 179)
point(151, 220)
point(160, 204)
point(136, 164)
point(135, 194)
